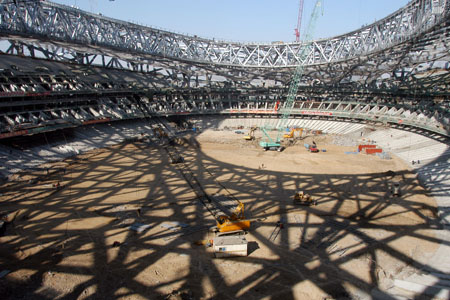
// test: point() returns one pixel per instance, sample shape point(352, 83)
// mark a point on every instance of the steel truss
point(45, 21)
point(401, 69)
point(416, 73)
point(49, 94)
point(406, 83)
point(88, 109)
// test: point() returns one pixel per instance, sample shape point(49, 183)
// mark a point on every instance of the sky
point(243, 20)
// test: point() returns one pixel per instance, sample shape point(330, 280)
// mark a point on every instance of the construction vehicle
point(303, 199)
point(313, 149)
point(217, 205)
point(268, 143)
point(235, 222)
point(226, 221)
point(159, 132)
point(251, 134)
point(291, 133)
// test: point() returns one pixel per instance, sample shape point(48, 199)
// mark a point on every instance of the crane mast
point(269, 143)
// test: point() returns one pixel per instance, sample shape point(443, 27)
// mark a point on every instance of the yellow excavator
point(251, 134)
point(290, 135)
point(234, 222)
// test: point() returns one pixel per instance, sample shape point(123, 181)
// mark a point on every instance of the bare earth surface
point(75, 242)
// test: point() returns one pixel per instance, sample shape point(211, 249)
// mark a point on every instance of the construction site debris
point(185, 231)
point(180, 295)
point(139, 227)
point(174, 225)
point(276, 231)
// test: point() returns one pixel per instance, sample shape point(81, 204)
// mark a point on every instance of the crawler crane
point(236, 221)
point(233, 221)
point(225, 222)
point(275, 144)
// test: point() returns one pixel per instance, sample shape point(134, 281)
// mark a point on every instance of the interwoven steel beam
point(119, 108)
point(46, 21)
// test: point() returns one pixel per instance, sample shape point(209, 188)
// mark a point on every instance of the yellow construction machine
point(236, 221)
point(290, 135)
point(303, 199)
point(251, 134)
point(159, 132)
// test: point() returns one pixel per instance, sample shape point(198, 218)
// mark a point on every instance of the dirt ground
point(81, 241)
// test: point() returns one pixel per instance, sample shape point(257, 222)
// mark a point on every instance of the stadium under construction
point(128, 154)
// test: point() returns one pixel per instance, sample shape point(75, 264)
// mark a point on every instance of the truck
point(313, 149)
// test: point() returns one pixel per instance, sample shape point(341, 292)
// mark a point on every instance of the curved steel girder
point(46, 20)
point(75, 91)
point(111, 108)
point(403, 66)
point(417, 67)
point(386, 72)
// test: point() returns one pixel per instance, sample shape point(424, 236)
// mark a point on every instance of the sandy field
point(81, 241)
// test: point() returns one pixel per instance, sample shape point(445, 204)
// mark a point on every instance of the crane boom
point(293, 87)
point(299, 21)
